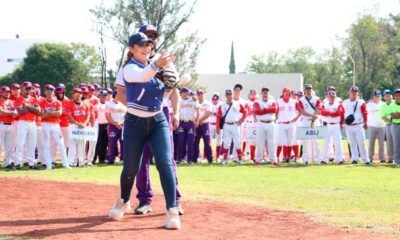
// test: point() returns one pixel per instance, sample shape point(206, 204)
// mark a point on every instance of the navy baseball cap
point(228, 91)
point(103, 93)
point(147, 28)
point(253, 91)
point(138, 39)
point(238, 86)
point(264, 89)
point(184, 90)
point(377, 93)
point(331, 88)
point(109, 91)
point(308, 86)
point(387, 91)
point(396, 91)
point(96, 86)
point(215, 96)
point(353, 89)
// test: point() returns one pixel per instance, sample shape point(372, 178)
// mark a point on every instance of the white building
point(275, 82)
point(13, 51)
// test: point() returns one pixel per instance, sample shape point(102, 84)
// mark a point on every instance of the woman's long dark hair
point(129, 55)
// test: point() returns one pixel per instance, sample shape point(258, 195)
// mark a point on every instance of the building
point(275, 82)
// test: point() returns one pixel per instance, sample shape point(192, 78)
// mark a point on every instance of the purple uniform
point(203, 131)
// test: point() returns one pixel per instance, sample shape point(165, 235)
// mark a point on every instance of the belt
point(268, 121)
point(213, 123)
point(354, 124)
point(285, 122)
point(6, 123)
point(332, 123)
point(231, 123)
point(186, 120)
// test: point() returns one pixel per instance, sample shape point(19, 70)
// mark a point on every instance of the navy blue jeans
point(155, 131)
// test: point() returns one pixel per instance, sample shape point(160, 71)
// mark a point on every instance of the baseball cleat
point(368, 163)
point(224, 162)
point(390, 161)
point(383, 161)
point(331, 159)
point(17, 167)
point(120, 208)
point(10, 167)
point(143, 208)
point(323, 163)
point(354, 162)
point(276, 164)
point(173, 221)
point(341, 162)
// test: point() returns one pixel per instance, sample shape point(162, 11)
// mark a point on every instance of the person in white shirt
point(102, 137)
point(310, 110)
point(376, 126)
point(215, 103)
point(265, 111)
point(249, 126)
point(203, 130)
point(115, 114)
point(355, 127)
point(188, 121)
point(233, 114)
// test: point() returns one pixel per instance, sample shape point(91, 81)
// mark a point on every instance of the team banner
point(311, 133)
point(250, 133)
point(87, 133)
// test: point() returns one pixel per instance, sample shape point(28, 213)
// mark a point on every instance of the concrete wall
point(275, 82)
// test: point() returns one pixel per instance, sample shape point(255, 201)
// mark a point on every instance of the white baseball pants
point(266, 138)
point(231, 133)
point(356, 137)
point(286, 134)
point(53, 131)
point(26, 135)
point(335, 136)
point(7, 140)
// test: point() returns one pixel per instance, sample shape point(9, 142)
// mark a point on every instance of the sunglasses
point(28, 88)
point(152, 36)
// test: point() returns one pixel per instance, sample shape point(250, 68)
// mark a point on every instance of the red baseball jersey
point(53, 106)
point(79, 111)
point(9, 105)
point(66, 110)
point(20, 102)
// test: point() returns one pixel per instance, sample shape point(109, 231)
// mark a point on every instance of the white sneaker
point(173, 221)
point(224, 162)
point(67, 167)
point(120, 208)
point(89, 164)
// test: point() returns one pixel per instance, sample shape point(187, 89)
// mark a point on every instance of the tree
point(168, 16)
point(52, 63)
point(232, 66)
point(272, 63)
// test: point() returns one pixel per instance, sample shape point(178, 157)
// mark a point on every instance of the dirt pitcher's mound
point(57, 210)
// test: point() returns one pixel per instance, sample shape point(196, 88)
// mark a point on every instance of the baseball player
point(189, 113)
point(237, 90)
point(288, 114)
point(249, 127)
point(310, 110)
point(79, 115)
point(51, 110)
point(115, 114)
point(203, 130)
point(35, 93)
point(265, 111)
point(215, 103)
point(384, 112)
point(355, 129)
point(376, 126)
point(102, 138)
point(332, 111)
point(15, 93)
point(93, 102)
point(233, 113)
point(394, 112)
point(27, 108)
point(7, 114)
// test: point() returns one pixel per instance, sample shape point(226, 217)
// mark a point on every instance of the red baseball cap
point(15, 86)
point(26, 84)
point(77, 90)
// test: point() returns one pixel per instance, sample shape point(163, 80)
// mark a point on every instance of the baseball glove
point(168, 76)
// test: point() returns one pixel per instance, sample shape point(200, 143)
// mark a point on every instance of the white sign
point(250, 133)
point(311, 133)
point(87, 133)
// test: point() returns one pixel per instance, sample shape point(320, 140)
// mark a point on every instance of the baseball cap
point(15, 86)
point(77, 90)
point(331, 93)
point(96, 86)
point(264, 89)
point(215, 96)
point(149, 28)
point(91, 88)
point(200, 91)
point(36, 85)
point(396, 91)
point(299, 93)
point(353, 89)
point(331, 88)
point(27, 84)
point(285, 89)
point(377, 93)
point(110, 91)
point(138, 39)
point(49, 87)
point(238, 86)
point(84, 89)
point(252, 91)
point(307, 86)
point(184, 90)
point(103, 93)
point(60, 85)
point(228, 91)
point(5, 89)
point(82, 85)
point(387, 91)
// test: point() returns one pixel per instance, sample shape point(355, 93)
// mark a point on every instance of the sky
point(255, 26)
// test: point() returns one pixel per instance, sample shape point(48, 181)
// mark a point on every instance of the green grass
point(349, 195)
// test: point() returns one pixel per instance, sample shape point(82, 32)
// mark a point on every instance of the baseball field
point(221, 202)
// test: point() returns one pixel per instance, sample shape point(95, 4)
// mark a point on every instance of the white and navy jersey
point(287, 111)
point(205, 107)
point(361, 111)
point(117, 110)
point(214, 110)
point(305, 105)
point(236, 112)
point(187, 109)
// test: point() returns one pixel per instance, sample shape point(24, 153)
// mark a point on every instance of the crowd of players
point(267, 126)
point(33, 125)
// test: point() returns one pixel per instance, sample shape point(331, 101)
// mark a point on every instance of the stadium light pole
point(354, 70)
